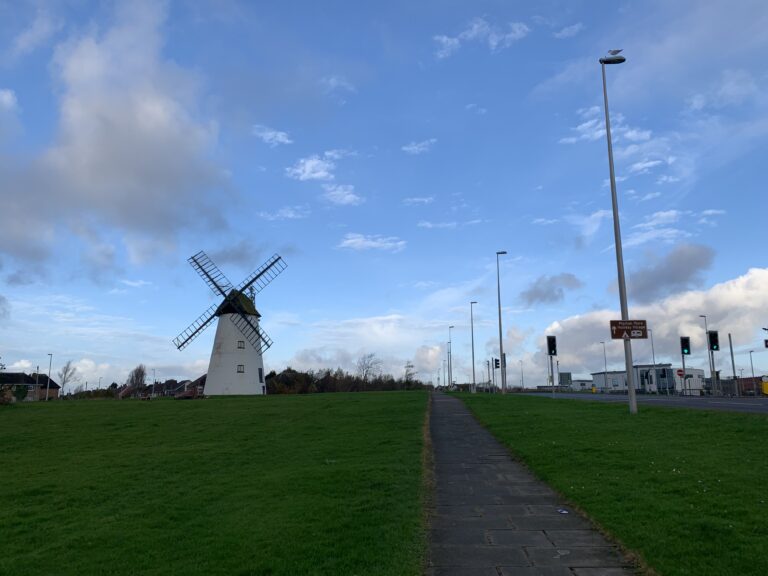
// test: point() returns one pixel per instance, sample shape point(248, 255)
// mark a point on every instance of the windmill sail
point(210, 273)
point(258, 339)
point(264, 274)
point(196, 328)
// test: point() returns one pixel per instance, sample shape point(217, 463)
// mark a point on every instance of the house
point(34, 383)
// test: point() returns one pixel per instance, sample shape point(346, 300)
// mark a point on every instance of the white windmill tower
point(236, 366)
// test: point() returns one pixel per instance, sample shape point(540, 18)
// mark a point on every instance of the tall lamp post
point(752, 366)
point(450, 365)
point(615, 58)
point(605, 365)
point(653, 356)
point(48, 383)
point(522, 376)
point(472, 330)
point(502, 363)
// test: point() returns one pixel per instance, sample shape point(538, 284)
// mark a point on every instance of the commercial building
point(651, 379)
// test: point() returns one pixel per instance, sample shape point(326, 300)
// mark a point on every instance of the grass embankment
point(324, 484)
point(687, 489)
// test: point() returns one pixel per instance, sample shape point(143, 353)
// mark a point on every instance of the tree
point(137, 378)
point(410, 373)
point(68, 373)
point(368, 365)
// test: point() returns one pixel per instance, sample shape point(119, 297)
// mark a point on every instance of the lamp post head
point(613, 57)
point(500, 252)
point(473, 302)
point(702, 315)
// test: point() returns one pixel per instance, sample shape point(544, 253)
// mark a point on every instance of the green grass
point(687, 489)
point(323, 484)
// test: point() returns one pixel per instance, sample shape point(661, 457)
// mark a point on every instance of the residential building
point(34, 383)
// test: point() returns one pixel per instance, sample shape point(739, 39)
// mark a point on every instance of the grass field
point(322, 484)
point(687, 489)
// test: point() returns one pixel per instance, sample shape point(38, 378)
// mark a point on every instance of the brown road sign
point(631, 329)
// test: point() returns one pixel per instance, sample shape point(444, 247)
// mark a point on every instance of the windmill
point(236, 365)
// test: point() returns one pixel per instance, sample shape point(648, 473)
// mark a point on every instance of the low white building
point(650, 379)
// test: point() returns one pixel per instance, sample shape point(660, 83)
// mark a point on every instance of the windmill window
point(241, 344)
point(261, 376)
point(241, 368)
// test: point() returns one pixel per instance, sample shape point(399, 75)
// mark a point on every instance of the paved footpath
point(493, 518)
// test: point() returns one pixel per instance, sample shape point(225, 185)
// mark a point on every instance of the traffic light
point(551, 346)
point(685, 345)
point(496, 363)
point(714, 340)
point(766, 343)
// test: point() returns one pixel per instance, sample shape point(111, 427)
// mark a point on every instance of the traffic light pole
point(733, 365)
point(683, 387)
point(552, 375)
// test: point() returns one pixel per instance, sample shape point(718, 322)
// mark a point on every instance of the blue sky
point(386, 153)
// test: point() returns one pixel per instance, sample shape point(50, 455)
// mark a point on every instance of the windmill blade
point(196, 328)
point(252, 333)
point(210, 273)
point(264, 274)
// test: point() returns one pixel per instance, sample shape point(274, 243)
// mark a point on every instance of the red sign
point(680, 372)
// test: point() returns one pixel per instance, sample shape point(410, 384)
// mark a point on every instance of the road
point(743, 404)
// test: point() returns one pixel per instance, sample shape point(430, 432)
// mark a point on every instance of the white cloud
point(736, 306)
point(569, 31)
point(354, 241)
point(650, 196)
point(422, 147)
point(712, 212)
point(270, 136)
point(431, 225)
point(477, 109)
point(312, 168)
point(126, 139)
point(286, 213)
point(42, 28)
point(480, 30)
point(418, 200)
point(336, 84)
point(544, 221)
point(342, 194)
point(588, 225)
point(636, 135)
point(663, 218)
point(8, 101)
point(644, 166)
point(136, 283)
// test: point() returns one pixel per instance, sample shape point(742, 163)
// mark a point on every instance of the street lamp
point(605, 365)
point(450, 366)
point(472, 329)
point(48, 383)
point(502, 363)
point(522, 376)
point(752, 366)
point(653, 355)
point(614, 58)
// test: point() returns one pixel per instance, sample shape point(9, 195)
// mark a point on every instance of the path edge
point(427, 484)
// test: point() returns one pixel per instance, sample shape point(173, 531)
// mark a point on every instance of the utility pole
point(733, 365)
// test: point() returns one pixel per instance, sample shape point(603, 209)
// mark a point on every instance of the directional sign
point(631, 329)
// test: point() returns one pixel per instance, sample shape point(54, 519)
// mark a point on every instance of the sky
point(386, 151)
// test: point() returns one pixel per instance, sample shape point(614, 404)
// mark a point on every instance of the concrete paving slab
point(492, 517)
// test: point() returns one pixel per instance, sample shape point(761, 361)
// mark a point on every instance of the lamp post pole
point(522, 376)
point(502, 363)
point(472, 329)
point(48, 383)
point(615, 58)
point(605, 366)
point(653, 356)
point(752, 366)
point(450, 365)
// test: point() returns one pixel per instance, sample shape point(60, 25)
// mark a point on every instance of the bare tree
point(68, 373)
point(367, 366)
point(137, 378)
